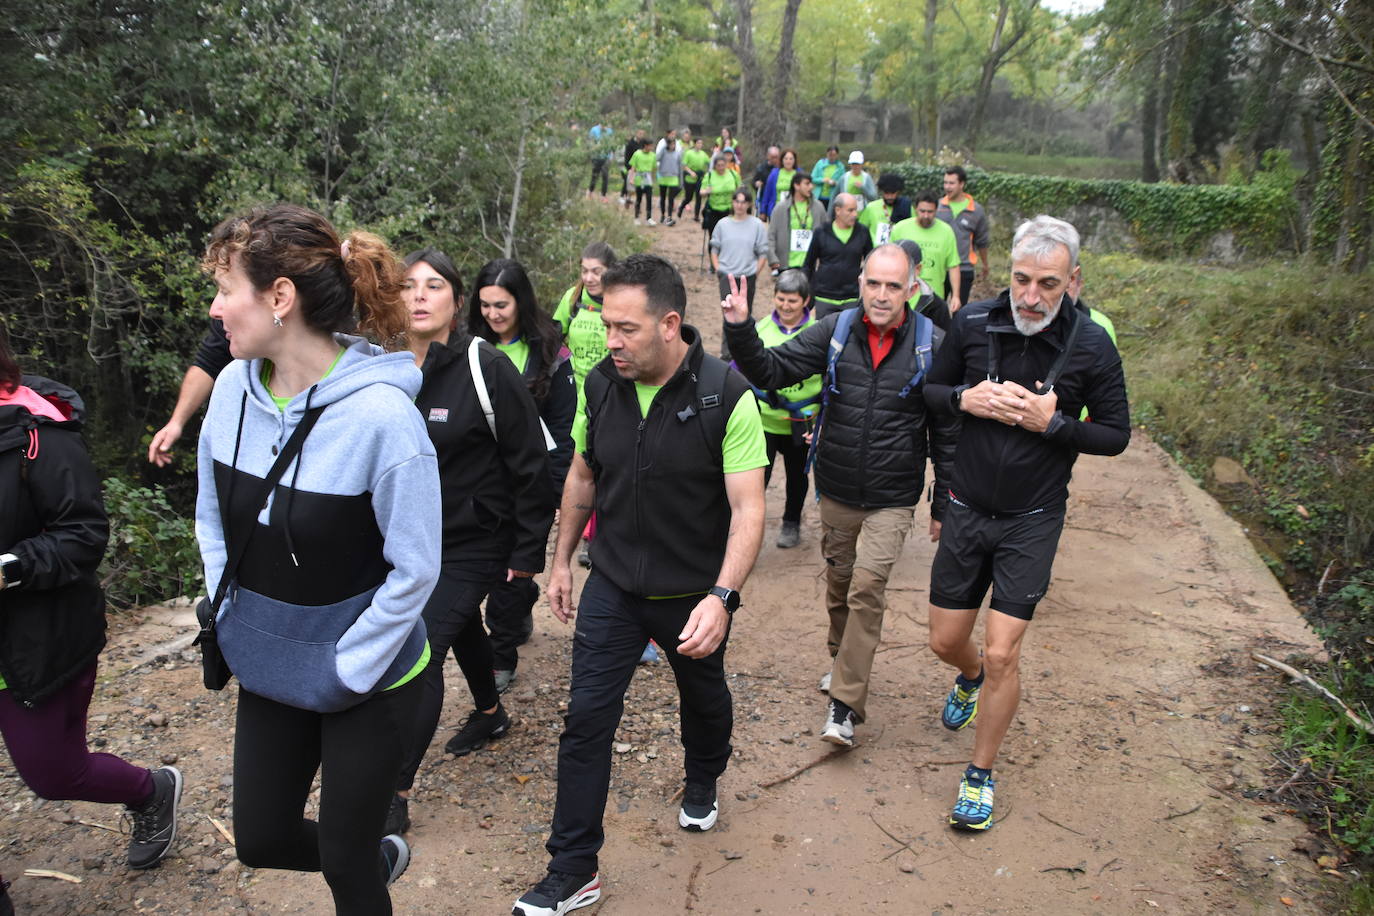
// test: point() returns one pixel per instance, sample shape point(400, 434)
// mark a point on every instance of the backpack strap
point(479, 383)
point(921, 342)
point(710, 401)
point(838, 337)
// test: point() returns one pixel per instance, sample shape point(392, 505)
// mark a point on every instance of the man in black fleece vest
point(669, 450)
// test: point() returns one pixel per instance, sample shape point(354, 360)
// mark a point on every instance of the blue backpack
point(921, 345)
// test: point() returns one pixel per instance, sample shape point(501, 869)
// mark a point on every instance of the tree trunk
point(508, 244)
point(930, 96)
point(990, 64)
point(782, 76)
point(1149, 125)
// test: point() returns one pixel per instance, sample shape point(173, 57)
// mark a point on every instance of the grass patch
point(1272, 366)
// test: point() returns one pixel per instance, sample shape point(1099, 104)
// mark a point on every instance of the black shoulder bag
point(214, 668)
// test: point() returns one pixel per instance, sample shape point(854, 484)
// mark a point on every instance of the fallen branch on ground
point(802, 769)
point(1193, 810)
point(1297, 675)
point(49, 873)
point(1059, 825)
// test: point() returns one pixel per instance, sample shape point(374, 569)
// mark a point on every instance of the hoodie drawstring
point(291, 493)
point(32, 451)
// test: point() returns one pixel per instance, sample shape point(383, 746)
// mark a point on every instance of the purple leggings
point(48, 747)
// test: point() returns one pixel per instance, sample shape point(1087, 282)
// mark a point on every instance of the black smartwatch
point(727, 595)
point(956, 397)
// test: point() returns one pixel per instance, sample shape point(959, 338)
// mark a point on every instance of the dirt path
point(1123, 786)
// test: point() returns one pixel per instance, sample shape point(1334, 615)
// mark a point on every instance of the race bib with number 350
point(801, 239)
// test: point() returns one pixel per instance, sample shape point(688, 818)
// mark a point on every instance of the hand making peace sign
point(735, 307)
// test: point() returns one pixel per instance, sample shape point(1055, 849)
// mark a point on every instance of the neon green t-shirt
point(645, 164)
point(518, 351)
point(719, 187)
point(877, 217)
point(584, 332)
point(939, 249)
point(698, 160)
point(742, 450)
point(842, 234)
point(798, 217)
point(959, 207)
point(854, 184)
point(775, 419)
point(784, 185)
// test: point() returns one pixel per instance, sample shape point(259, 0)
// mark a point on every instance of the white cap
point(856, 156)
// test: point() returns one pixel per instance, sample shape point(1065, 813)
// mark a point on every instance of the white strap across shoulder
point(484, 397)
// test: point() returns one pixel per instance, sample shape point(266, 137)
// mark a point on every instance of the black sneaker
point(6, 904)
point(699, 807)
point(395, 858)
point(839, 724)
point(155, 824)
point(397, 816)
point(557, 894)
point(479, 728)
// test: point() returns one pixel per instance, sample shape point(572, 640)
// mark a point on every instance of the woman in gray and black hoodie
point(321, 624)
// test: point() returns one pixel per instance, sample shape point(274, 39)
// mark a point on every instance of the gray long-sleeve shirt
point(740, 243)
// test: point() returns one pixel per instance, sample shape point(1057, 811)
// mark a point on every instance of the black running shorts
point(1014, 555)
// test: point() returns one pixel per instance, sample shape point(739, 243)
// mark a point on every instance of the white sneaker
point(825, 682)
point(839, 725)
point(650, 222)
point(636, 221)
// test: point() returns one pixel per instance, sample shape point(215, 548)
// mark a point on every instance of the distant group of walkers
point(387, 448)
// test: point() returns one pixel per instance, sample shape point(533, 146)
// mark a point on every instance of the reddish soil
point(1133, 780)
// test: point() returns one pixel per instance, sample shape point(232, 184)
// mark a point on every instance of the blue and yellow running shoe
point(973, 808)
point(961, 706)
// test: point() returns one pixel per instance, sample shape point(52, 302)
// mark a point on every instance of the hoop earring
point(276, 321)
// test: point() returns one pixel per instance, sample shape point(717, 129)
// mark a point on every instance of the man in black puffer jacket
point(1022, 367)
point(870, 459)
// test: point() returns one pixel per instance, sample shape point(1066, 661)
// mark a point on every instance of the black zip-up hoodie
point(52, 625)
point(1000, 469)
point(497, 497)
point(557, 410)
point(662, 515)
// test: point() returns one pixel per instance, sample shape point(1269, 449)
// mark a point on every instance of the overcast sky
point(1073, 6)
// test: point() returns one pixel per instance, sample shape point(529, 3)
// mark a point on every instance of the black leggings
point(600, 167)
point(667, 196)
point(793, 451)
point(358, 752)
point(453, 620)
point(691, 192)
point(646, 195)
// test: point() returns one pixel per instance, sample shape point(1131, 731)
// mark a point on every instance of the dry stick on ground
point(1057, 824)
point(1193, 810)
point(692, 887)
point(902, 844)
point(1105, 864)
point(1297, 675)
point(802, 769)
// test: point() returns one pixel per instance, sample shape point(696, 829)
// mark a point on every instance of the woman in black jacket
point(53, 532)
point(507, 315)
point(497, 502)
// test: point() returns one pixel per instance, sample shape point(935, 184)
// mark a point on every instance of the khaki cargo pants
point(859, 546)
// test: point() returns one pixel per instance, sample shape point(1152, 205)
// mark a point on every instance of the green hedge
point(1166, 219)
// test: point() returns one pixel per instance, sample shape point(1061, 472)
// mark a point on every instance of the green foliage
point(1261, 365)
point(153, 554)
point(1061, 166)
point(1166, 219)
point(1330, 744)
